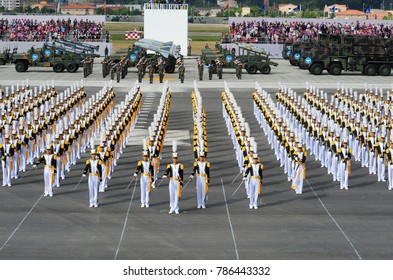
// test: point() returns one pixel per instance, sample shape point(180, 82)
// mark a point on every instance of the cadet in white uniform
point(345, 155)
point(146, 167)
point(7, 153)
point(299, 160)
point(175, 173)
point(202, 169)
point(93, 166)
point(255, 169)
point(389, 155)
point(49, 169)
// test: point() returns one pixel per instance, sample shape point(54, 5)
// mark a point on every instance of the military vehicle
point(6, 56)
point(253, 59)
point(134, 53)
point(287, 49)
point(367, 54)
point(56, 55)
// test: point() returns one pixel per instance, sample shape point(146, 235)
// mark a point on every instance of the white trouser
point(381, 169)
point(93, 189)
point(364, 152)
point(30, 157)
point(22, 166)
point(173, 195)
point(344, 175)
point(48, 181)
point(322, 155)
point(254, 185)
point(6, 165)
point(372, 166)
point(14, 173)
point(200, 186)
point(104, 181)
point(57, 175)
point(144, 182)
point(298, 179)
point(334, 167)
point(390, 176)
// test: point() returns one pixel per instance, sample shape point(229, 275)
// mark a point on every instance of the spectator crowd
point(33, 30)
point(275, 32)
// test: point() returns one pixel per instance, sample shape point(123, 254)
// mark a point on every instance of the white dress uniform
point(381, 151)
point(345, 166)
point(175, 173)
point(49, 172)
point(23, 152)
point(147, 174)
point(15, 161)
point(93, 167)
point(372, 166)
point(299, 159)
point(7, 153)
point(202, 170)
point(255, 183)
point(58, 151)
point(389, 155)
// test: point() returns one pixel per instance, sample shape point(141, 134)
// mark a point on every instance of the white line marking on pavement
point(229, 219)
point(12, 234)
point(327, 211)
point(125, 221)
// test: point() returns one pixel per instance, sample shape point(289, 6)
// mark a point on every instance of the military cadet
point(151, 71)
point(299, 160)
point(24, 140)
point(49, 170)
point(389, 156)
point(7, 151)
point(58, 151)
point(255, 170)
point(219, 64)
point(104, 156)
point(93, 167)
point(182, 71)
point(145, 166)
point(371, 144)
point(154, 156)
point(16, 158)
point(200, 68)
point(140, 67)
point(161, 68)
point(239, 67)
point(380, 150)
point(202, 169)
point(345, 155)
point(175, 173)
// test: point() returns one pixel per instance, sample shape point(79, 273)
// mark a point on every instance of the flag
point(297, 9)
point(262, 9)
point(368, 10)
point(333, 9)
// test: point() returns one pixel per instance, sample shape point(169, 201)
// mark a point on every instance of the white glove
point(84, 175)
point(164, 176)
point(34, 166)
point(135, 175)
point(191, 177)
point(244, 178)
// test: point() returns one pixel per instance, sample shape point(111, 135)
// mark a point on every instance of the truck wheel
point(58, 67)
point(20, 67)
point(316, 69)
point(265, 69)
point(292, 62)
point(385, 70)
point(335, 69)
point(72, 67)
point(252, 69)
point(170, 68)
point(370, 70)
point(2, 61)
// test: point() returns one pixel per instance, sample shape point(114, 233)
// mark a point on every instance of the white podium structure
point(167, 22)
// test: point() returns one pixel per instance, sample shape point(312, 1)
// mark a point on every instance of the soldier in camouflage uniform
point(151, 71)
point(200, 68)
point(182, 71)
point(118, 71)
point(112, 67)
point(161, 67)
point(219, 64)
point(239, 67)
point(211, 70)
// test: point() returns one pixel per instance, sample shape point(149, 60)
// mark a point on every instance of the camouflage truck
point(133, 52)
point(367, 54)
point(60, 58)
point(287, 49)
point(253, 59)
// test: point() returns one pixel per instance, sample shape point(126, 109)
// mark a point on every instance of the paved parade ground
point(322, 223)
